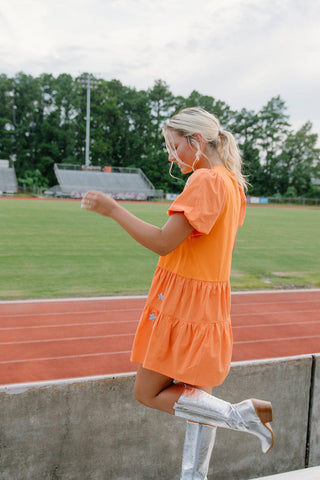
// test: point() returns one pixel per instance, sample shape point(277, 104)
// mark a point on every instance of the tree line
point(43, 121)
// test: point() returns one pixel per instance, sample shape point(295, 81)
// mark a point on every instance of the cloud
point(241, 51)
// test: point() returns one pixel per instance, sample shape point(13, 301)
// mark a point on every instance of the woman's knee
point(138, 394)
point(149, 385)
point(142, 396)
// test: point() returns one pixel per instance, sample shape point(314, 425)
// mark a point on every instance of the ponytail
point(230, 156)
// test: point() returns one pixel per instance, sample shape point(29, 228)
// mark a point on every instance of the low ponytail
point(230, 156)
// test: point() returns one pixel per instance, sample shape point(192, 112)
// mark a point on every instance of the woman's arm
point(160, 240)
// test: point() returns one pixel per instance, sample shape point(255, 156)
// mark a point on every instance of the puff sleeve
point(202, 200)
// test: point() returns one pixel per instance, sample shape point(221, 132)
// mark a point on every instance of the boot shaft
point(198, 444)
point(250, 416)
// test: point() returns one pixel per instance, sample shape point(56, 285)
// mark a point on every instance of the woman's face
point(181, 152)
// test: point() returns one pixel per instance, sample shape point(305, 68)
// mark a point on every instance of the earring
point(196, 160)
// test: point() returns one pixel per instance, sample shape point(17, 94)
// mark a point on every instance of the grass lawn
point(277, 248)
point(55, 249)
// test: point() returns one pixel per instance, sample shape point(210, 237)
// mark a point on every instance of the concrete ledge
point(314, 450)
point(93, 429)
point(305, 474)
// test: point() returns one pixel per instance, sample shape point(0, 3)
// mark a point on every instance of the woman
point(184, 339)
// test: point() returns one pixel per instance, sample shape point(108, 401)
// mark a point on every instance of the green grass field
point(55, 249)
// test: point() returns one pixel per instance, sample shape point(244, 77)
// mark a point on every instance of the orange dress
point(185, 327)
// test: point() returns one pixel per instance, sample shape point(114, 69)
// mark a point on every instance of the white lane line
point(119, 310)
point(42, 359)
point(62, 325)
point(89, 324)
point(76, 299)
point(141, 297)
point(283, 302)
point(277, 312)
point(113, 310)
point(233, 314)
point(277, 339)
point(74, 312)
point(47, 340)
point(129, 351)
point(72, 339)
point(275, 325)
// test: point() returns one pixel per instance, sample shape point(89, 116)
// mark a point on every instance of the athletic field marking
point(74, 299)
point(42, 359)
point(232, 314)
point(140, 297)
point(279, 302)
point(90, 312)
point(69, 339)
point(272, 313)
point(63, 325)
point(261, 325)
point(129, 351)
point(277, 339)
point(111, 310)
point(274, 325)
point(72, 312)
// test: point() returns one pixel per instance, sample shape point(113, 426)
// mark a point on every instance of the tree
point(273, 123)
point(162, 105)
point(7, 118)
point(134, 124)
point(245, 126)
point(43, 121)
point(33, 180)
point(27, 98)
point(299, 160)
point(106, 126)
point(219, 108)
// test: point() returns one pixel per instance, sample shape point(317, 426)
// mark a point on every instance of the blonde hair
point(190, 121)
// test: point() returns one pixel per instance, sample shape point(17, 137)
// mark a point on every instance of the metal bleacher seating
point(8, 180)
point(121, 183)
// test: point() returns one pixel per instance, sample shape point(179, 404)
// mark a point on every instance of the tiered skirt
point(185, 330)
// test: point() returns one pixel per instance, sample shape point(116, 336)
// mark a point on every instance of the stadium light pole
point(13, 156)
point(87, 161)
point(88, 81)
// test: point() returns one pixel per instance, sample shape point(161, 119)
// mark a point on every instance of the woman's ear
point(198, 140)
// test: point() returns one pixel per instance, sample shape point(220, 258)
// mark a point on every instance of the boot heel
point(263, 410)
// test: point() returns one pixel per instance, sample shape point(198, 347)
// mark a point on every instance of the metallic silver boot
point(197, 449)
point(252, 416)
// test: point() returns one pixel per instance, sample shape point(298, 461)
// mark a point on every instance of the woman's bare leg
point(159, 391)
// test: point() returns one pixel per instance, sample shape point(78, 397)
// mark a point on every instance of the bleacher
point(120, 183)
point(8, 180)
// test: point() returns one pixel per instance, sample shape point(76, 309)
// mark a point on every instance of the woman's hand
point(98, 202)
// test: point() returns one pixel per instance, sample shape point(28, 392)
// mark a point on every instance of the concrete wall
point(93, 429)
point(314, 452)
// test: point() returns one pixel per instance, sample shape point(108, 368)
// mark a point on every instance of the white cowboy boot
point(252, 416)
point(197, 449)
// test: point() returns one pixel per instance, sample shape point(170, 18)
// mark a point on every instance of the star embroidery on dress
point(152, 316)
point(161, 296)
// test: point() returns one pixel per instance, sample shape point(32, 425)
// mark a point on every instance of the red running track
point(49, 340)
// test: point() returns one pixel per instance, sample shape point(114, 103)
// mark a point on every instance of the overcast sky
point(241, 51)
